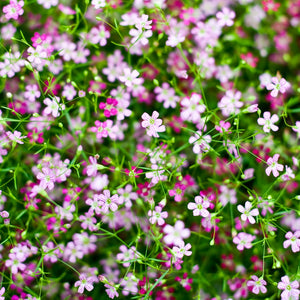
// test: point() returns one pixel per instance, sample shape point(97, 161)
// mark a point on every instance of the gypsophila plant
point(149, 149)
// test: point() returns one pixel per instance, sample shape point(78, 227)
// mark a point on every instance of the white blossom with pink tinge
point(247, 213)
point(175, 235)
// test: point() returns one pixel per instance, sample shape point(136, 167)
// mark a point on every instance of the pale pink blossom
point(108, 202)
point(243, 240)
point(293, 240)
point(274, 166)
point(157, 216)
point(268, 122)
point(225, 17)
point(200, 206)
point(182, 250)
point(247, 212)
point(290, 289)
point(84, 283)
point(257, 285)
point(152, 124)
point(175, 235)
point(277, 86)
point(129, 77)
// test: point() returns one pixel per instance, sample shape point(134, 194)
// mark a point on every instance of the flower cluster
point(149, 149)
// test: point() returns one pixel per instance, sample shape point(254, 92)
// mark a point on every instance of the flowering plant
point(149, 149)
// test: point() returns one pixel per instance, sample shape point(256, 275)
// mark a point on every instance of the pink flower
point(230, 104)
point(47, 178)
point(127, 255)
point(102, 128)
point(152, 124)
point(156, 175)
point(53, 107)
point(37, 55)
point(277, 86)
point(273, 166)
point(225, 17)
point(99, 35)
point(296, 128)
point(200, 142)
point(293, 241)
point(111, 291)
point(15, 263)
point(178, 192)
point(257, 285)
point(248, 173)
point(2, 291)
point(199, 207)
point(223, 127)
point(174, 235)
point(16, 136)
point(130, 78)
point(192, 108)
point(92, 168)
point(182, 250)
point(268, 122)
point(98, 3)
point(84, 283)
point(157, 216)
point(290, 289)
point(247, 213)
point(13, 10)
point(243, 240)
point(108, 202)
point(32, 92)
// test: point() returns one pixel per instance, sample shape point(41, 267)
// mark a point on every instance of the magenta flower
point(84, 283)
point(290, 289)
point(152, 124)
point(292, 240)
point(199, 207)
point(257, 285)
point(273, 166)
point(277, 86)
point(268, 122)
point(247, 213)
